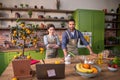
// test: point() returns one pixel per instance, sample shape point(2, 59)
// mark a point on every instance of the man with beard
point(70, 39)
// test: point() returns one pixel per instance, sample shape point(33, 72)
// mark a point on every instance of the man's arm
point(86, 44)
point(89, 48)
point(65, 52)
point(64, 43)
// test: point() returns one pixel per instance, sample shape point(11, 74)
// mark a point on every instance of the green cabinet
point(6, 57)
point(91, 21)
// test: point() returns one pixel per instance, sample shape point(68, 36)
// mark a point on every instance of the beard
point(72, 29)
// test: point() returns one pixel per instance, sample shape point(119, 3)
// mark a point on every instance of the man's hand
point(93, 54)
point(65, 52)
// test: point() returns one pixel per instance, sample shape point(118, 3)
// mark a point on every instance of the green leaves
point(18, 19)
point(116, 60)
point(72, 54)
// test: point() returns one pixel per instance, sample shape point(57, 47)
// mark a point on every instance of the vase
point(58, 4)
point(30, 16)
point(0, 5)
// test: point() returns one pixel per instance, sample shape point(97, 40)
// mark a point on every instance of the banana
point(87, 70)
point(78, 67)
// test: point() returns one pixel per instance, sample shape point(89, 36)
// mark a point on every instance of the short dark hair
point(71, 20)
point(50, 25)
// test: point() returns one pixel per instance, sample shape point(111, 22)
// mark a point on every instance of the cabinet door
point(85, 21)
point(98, 32)
point(3, 61)
point(91, 21)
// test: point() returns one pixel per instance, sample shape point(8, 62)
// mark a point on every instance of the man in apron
point(70, 39)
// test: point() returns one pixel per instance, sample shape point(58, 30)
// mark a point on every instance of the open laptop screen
point(50, 71)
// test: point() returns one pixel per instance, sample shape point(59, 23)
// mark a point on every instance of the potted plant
point(111, 39)
point(58, 4)
point(21, 34)
point(62, 24)
point(21, 5)
point(26, 5)
point(30, 13)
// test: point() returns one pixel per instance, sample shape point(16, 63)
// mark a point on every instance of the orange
point(94, 70)
point(87, 66)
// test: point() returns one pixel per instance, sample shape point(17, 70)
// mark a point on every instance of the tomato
point(109, 65)
point(115, 66)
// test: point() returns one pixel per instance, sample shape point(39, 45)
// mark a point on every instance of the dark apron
point(51, 52)
point(72, 44)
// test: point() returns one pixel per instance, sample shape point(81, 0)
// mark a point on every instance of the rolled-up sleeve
point(45, 40)
point(83, 39)
point(64, 40)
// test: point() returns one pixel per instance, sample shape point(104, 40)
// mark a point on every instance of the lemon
point(41, 49)
point(15, 32)
point(22, 25)
point(57, 62)
point(23, 37)
point(41, 52)
point(35, 40)
point(14, 78)
point(14, 41)
point(28, 57)
point(15, 57)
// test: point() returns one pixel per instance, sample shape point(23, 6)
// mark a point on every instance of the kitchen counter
point(70, 73)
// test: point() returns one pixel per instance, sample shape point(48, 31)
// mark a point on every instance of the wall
point(67, 4)
point(51, 4)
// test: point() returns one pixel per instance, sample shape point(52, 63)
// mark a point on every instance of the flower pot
point(21, 68)
point(30, 16)
point(0, 5)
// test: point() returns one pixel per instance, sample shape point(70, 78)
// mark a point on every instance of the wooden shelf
point(112, 45)
point(112, 14)
point(37, 29)
point(32, 19)
point(4, 28)
point(112, 21)
point(114, 31)
point(55, 29)
point(38, 10)
point(112, 28)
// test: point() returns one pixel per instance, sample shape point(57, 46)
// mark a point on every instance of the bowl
point(89, 75)
point(112, 69)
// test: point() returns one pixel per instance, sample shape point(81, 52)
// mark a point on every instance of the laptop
point(50, 71)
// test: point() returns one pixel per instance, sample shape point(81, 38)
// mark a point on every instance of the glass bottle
point(100, 58)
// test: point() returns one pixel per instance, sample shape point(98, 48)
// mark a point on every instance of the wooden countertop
point(70, 73)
